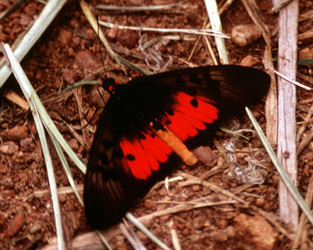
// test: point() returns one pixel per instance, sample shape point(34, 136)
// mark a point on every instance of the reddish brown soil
point(69, 51)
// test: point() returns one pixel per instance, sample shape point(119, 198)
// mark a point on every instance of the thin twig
point(206, 32)
point(175, 239)
point(306, 140)
point(136, 222)
point(215, 20)
point(291, 81)
point(150, 8)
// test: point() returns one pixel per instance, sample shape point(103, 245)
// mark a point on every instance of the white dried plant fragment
point(245, 34)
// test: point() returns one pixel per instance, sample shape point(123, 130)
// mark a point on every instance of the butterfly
point(150, 125)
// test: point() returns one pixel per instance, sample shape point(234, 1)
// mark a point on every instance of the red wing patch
point(190, 115)
point(144, 155)
point(183, 126)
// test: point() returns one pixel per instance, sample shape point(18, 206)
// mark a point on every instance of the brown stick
point(286, 148)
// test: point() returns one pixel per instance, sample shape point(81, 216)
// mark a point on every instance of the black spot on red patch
point(194, 103)
point(130, 157)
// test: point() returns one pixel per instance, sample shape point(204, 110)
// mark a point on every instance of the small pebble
point(185, 232)
point(306, 54)
point(15, 224)
point(8, 147)
point(249, 61)
point(26, 142)
point(73, 144)
point(112, 33)
point(65, 37)
point(127, 38)
point(84, 59)
point(245, 34)
point(18, 132)
point(198, 223)
point(195, 188)
point(260, 202)
point(25, 19)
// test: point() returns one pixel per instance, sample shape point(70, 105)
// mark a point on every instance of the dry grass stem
point(182, 208)
point(173, 232)
point(151, 8)
point(226, 5)
point(306, 16)
point(206, 32)
point(77, 136)
point(216, 24)
point(306, 140)
point(305, 35)
point(85, 132)
point(208, 44)
point(292, 81)
point(305, 123)
point(131, 236)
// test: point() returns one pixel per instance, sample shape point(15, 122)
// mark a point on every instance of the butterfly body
point(130, 153)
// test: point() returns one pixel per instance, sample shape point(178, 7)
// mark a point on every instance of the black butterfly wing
point(226, 84)
point(127, 157)
point(112, 183)
point(104, 195)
